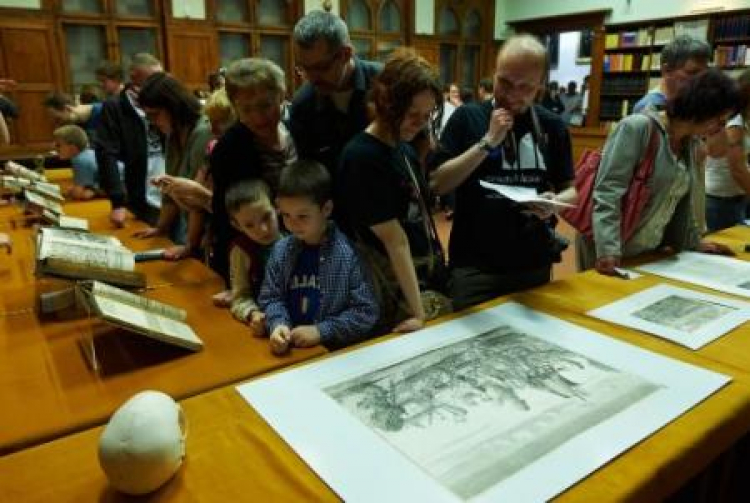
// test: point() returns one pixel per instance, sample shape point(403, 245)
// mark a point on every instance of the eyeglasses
point(319, 67)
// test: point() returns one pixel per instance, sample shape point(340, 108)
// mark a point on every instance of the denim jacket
point(348, 308)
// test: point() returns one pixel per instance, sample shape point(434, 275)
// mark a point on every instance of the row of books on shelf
point(626, 84)
point(732, 27)
point(731, 55)
point(614, 108)
point(632, 38)
point(627, 62)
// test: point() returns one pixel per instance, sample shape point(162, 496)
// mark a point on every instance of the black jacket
point(319, 130)
point(121, 135)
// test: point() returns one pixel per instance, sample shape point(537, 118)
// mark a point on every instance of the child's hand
point(281, 340)
point(177, 252)
point(305, 336)
point(257, 323)
point(409, 325)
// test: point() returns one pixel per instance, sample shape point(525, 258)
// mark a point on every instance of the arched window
point(358, 16)
point(473, 25)
point(390, 17)
point(448, 22)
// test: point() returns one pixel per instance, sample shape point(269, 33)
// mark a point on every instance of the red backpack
point(633, 201)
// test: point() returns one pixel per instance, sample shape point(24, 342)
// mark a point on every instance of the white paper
point(476, 393)
point(522, 194)
point(725, 274)
point(689, 318)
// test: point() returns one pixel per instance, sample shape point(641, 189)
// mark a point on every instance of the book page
point(47, 190)
point(86, 255)
point(83, 238)
point(99, 289)
point(39, 200)
point(153, 325)
point(69, 222)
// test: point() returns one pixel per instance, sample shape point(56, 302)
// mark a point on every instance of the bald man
point(498, 246)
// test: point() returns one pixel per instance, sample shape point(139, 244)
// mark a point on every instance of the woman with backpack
point(672, 191)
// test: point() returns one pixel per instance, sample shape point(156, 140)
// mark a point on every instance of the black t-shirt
point(373, 186)
point(489, 231)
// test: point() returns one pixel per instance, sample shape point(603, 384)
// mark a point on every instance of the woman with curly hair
point(671, 214)
point(382, 197)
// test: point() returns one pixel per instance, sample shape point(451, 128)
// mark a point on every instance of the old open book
point(142, 315)
point(81, 255)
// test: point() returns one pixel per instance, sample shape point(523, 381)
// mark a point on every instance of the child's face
point(305, 218)
point(257, 221)
point(220, 121)
point(65, 150)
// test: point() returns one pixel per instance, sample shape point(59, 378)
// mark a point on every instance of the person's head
point(553, 87)
point(406, 94)
point(250, 211)
point(467, 95)
point(169, 105)
point(70, 140)
point(216, 81)
point(109, 76)
point(682, 59)
point(304, 200)
point(219, 111)
point(484, 91)
point(256, 88)
point(572, 87)
point(59, 107)
point(705, 102)
point(90, 93)
point(323, 51)
point(454, 94)
point(141, 66)
point(520, 71)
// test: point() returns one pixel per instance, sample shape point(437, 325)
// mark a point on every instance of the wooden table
point(233, 455)
point(47, 387)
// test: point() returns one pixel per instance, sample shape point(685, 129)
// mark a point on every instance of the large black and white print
point(475, 412)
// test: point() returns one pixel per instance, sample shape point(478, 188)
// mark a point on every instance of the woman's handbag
point(633, 201)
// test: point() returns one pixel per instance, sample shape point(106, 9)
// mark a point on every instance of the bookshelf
point(632, 63)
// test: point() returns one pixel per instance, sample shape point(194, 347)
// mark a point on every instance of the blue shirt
point(303, 296)
point(653, 101)
point(85, 171)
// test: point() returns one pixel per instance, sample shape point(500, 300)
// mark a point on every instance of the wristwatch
point(484, 144)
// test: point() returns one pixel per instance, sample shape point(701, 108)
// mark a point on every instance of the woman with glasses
point(384, 201)
point(257, 146)
point(669, 218)
point(176, 112)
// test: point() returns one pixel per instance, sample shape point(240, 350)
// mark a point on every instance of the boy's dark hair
point(305, 179)
point(245, 192)
point(58, 101)
point(704, 97)
point(486, 84)
point(109, 70)
point(675, 54)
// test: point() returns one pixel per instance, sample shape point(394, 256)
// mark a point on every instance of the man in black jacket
point(331, 107)
point(124, 136)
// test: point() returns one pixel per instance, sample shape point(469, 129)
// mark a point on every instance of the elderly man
point(331, 106)
point(124, 136)
point(498, 246)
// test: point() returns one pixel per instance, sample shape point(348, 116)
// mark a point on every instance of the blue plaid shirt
point(348, 307)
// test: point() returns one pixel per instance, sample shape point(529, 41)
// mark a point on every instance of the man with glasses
point(498, 246)
point(331, 106)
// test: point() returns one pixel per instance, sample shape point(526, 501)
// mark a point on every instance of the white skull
point(143, 444)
